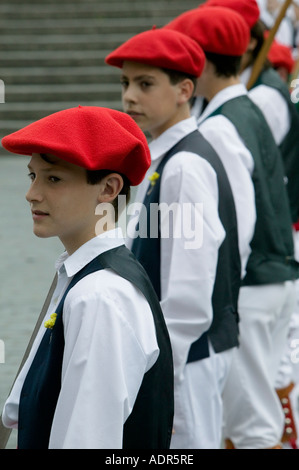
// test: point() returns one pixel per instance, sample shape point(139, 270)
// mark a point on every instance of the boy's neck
point(102, 225)
point(218, 84)
point(183, 112)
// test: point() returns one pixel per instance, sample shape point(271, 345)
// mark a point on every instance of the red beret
point(161, 48)
point(249, 9)
point(216, 29)
point(88, 136)
point(281, 56)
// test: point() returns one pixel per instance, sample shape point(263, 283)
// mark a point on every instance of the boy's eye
point(124, 83)
point(145, 84)
point(54, 179)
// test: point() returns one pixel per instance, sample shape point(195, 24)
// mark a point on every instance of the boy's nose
point(33, 193)
point(128, 95)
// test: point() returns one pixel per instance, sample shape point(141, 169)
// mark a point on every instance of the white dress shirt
point(110, 343)
point(187, 274)
point(238, 163)
point(273, 106)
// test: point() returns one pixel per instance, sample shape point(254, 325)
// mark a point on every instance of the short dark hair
point(95, 177)
point(177, 77)
point(225, 65)
point(257, 32)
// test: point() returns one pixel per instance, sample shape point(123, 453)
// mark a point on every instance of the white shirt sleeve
point(274, 108)
point(110, 343)
point(239, 164)
point(189, 260)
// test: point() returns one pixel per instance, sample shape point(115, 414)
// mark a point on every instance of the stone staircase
point(52, 52)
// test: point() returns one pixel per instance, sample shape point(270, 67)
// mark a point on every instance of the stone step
point(56, 75)
point(52, 52)
point(50, 58)
point(31, 42)
point(62, 92)
point(85, 9)
point(13, 116)
point(41, 40)
point(80, 26)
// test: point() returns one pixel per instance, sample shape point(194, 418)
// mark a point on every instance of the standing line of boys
point(190, 283)
point(238, 131)
point(272, 95)
point(100, 375)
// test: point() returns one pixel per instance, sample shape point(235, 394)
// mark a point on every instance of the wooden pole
point(5, 432)
point(260, 60)
point(295, 71)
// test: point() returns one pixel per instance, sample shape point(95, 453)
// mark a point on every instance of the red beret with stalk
point(249, 9)
point(91, 137)
point(161, 48)
point(217, 30)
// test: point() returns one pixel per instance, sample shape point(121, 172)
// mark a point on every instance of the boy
point(198, 287)
point(99, 374)
point(272, 96)
point(238, 131)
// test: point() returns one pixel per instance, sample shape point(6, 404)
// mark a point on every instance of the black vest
point(149, 426)
point(289, 147)
point(272, 256)
point(223, 332)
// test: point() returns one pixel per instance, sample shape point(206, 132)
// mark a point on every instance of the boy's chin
point(41, 234)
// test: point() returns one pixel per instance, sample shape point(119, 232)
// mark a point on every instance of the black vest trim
point(149, 426)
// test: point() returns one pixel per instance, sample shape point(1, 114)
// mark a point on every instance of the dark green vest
point(289, 147)
point(149, 425)
point(224, 331)
point(272, 257)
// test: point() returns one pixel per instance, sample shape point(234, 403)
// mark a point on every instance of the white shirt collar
point(222, 97)
point(90, 250)
point(171, 136)
point(245, 75)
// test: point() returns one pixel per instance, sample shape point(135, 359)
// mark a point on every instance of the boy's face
point(149, 97)
point(62, 202)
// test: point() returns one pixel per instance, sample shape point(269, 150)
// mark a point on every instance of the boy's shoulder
point(101, 285)
point(102, 294)
point(189, 166)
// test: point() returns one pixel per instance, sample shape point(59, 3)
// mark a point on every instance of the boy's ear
point(252, 45)
point(186, 87)
point(110, 187)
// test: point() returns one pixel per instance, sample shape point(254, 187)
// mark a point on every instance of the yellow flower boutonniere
point(153, 179)
point(50, 323)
